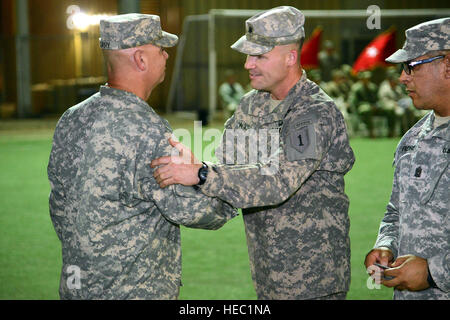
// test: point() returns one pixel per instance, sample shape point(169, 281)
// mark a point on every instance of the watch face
point(203, 173)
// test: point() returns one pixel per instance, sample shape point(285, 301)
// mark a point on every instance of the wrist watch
point(203, 173)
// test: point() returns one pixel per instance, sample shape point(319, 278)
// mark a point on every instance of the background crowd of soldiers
point(369, 109)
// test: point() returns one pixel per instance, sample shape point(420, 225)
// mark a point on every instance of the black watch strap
point(203, 173)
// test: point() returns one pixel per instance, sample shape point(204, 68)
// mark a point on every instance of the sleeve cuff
point(438, 270)
point(212, 185)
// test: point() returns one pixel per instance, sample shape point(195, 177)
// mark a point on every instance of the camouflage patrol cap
point(133, 30)
point(265, 30)
point(423, 38)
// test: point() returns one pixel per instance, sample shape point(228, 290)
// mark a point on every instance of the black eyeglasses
point(408, 66)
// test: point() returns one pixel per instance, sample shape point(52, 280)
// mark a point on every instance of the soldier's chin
point(255, 85)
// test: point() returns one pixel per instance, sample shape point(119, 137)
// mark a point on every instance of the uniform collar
point(441, 132)
point(110, 91)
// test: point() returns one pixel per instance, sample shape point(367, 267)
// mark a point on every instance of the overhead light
point(80, 20)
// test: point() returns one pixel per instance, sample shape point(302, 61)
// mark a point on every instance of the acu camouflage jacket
point(116, 225)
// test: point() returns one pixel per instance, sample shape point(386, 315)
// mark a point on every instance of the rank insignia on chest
point(280, 125)
point(418, 172)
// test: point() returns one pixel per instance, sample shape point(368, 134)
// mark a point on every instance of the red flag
point(310, 50)
point(374, 54)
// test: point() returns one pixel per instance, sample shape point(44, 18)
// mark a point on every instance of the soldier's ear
point(292, 57)
point(139, 60)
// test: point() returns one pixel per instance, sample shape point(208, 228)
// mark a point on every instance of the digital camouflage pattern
point(274, 27)
point(114, 221)
point(423, 38)
point(416, 221)
point(132, 30)
point(296, 218)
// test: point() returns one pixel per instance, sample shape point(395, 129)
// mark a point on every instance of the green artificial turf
point(30, 257)
point(215, 263)
point(368, 185)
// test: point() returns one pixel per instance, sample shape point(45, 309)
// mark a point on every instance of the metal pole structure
point(128, 6)
point(179, 57)
point(23, 60)
point(212, 70)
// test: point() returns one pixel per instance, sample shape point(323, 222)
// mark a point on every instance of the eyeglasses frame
point(408, 66)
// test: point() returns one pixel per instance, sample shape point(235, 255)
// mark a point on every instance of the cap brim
point(400, 56)
point(167, 40)
point(250, 48)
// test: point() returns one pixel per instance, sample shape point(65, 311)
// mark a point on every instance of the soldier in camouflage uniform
point(230, 93)
point(413, 238)
point(363, 99)
point(329, 60)
point(391, 96)
point(116, 226)
point(338, 89)
point(294, 204)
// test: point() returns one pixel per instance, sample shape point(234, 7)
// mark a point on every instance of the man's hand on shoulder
point(181, 169)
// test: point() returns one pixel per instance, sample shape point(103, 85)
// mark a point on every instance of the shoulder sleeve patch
point(300, 140)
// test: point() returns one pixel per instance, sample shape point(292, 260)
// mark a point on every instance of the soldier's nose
point(249, 62)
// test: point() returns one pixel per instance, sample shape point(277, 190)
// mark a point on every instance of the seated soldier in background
point(338, 89)
point(230, 93)
point(392, 97)
point(329, 60)
point(349, 76)
point(363, 100)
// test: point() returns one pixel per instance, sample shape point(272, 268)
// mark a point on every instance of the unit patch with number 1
point(300, 139)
